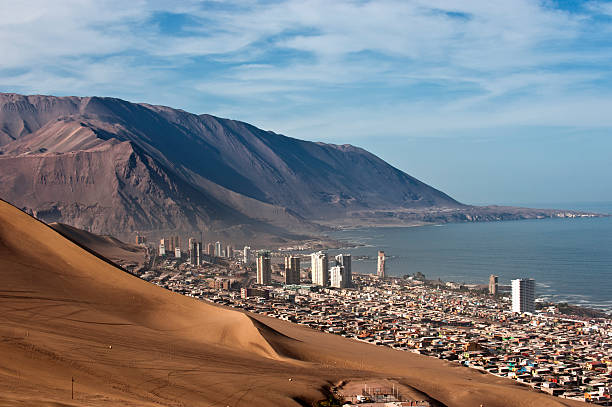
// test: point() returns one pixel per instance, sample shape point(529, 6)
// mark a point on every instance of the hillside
point(113, 166)
point(66, 314)
point(107, 246)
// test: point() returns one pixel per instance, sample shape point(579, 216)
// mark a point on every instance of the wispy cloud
point(288, 65)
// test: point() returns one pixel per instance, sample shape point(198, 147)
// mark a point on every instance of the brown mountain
point(115, 167)
point(112, 166)
point(69, 320)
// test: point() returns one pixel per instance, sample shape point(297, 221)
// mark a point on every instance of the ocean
point(570, 259)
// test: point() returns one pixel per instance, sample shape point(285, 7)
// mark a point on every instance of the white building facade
point(523, 295)
point(319, 269)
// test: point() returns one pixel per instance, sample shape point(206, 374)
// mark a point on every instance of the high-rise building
point(162, 247)
point(380, 270)
point(292, 270)
point(140, 240)
point(170, 244)
point(195, 249)
point(493, 284)
point(191, 246)
point(176, 242)
point(319, 269)
point(264, 270)
point(337, 277)
point(210, 249)
point(246, 255)
point(523, 295)
point(229, 252)
point(177, 252)
point(344, 260)
point(218, 249)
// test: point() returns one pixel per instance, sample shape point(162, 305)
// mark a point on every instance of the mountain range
point(114, 167)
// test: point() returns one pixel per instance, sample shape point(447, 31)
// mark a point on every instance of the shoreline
point(583, 312)
point(592, 306)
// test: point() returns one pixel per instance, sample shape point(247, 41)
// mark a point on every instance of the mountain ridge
point(254, 179)
point(115, 167)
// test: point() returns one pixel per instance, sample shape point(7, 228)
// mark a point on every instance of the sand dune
point(65, 313)
point(107, 246)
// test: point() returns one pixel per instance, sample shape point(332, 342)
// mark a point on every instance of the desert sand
point(66, 313)
point(111, 248)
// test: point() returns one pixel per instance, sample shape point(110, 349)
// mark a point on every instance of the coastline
point(411, 258)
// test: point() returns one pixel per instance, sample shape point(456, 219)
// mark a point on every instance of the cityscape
point(500, 330)
point(347, 203)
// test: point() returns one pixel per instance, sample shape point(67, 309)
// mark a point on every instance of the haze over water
point(570, 259)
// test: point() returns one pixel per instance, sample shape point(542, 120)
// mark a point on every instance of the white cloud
point(505, 61)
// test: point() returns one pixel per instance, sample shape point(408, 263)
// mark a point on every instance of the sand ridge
point(113, 249)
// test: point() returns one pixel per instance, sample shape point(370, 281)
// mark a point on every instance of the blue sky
point(491, 101)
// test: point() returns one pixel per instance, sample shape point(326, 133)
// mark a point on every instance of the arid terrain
point(111, 248)
point(67, 314)
point(114, 167)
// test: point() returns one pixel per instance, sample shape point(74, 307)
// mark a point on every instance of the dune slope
point(107, 246)
point(65, 313)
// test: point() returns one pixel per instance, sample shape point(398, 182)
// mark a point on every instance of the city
point(499, 330)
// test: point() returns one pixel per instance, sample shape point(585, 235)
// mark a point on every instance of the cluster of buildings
point(195, 250)
point(339, 275)
point(483, 329)
point(562, 356)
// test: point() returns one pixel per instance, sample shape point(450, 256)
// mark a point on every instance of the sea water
point(570, 259)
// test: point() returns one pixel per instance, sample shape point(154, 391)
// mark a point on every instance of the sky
point(491, 101)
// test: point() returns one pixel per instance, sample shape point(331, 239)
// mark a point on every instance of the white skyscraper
point(218, 249)
point(337, 277)
point(380, 269)
point(162, 247)
point(523, 295)
point(246, 254)
point(319, 269)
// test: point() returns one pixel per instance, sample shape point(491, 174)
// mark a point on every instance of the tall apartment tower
point(292, 270)
point(493, 284)
point(229, 251)
point(162, 247)
point(177, 252)
point(169, 242)
point(319, 266)
point(380, 270)
point(523, 295)
point(344, 260)
point(338, 277)
point(177, 242)
point(218, 249)
point(210, 249)
point(246, 255)
point(264, 270)
point(195, 248)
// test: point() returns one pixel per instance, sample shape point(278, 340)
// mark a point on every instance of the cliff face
point(111, 166)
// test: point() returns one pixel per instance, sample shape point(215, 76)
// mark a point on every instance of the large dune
point(111, 248)
point(65, 313)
